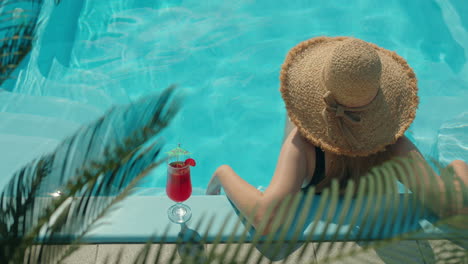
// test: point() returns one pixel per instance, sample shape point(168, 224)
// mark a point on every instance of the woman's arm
point(428, 186)
point(287, 180)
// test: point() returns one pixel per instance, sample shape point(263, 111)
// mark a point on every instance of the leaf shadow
point(191, 245)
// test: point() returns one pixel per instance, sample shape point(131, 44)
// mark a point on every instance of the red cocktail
point(179, 185)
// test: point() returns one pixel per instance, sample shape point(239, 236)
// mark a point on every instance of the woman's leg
point(458, 205)
point(461, 170)
point(451, 195)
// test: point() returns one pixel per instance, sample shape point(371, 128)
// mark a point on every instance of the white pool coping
point(140, 218)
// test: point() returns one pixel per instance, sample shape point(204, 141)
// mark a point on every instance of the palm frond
point(103, 159)
point(415, 207)
point(371, 216)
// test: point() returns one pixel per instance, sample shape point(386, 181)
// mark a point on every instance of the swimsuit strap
point(319, 173)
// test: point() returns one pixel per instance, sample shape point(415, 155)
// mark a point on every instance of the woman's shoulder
point(403, 146)
point(305, 144)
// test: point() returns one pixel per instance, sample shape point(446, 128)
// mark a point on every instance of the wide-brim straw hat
point(348, 96)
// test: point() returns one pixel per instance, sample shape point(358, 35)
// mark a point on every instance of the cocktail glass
point(179, 189)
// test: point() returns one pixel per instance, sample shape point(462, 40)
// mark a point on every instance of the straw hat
point(348, 96)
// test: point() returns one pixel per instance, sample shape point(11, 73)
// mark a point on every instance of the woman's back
point(321, 167)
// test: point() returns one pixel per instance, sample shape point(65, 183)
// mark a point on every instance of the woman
point(350, 103)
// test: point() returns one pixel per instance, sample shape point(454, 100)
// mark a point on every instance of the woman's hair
point(345, 168)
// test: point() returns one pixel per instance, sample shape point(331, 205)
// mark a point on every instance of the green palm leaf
point(371, 217)
point(104, 159)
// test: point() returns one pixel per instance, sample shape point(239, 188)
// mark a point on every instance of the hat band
point(344, 115)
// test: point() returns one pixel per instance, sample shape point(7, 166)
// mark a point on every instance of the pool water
point(226, 56)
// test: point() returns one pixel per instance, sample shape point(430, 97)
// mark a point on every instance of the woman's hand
point(214, 186)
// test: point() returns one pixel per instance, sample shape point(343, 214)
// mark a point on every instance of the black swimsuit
point(319, 173)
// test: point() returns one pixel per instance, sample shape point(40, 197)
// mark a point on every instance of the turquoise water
point(226, 57)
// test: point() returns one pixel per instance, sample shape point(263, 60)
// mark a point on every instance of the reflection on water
point(435, 40)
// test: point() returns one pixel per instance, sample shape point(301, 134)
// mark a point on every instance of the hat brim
point(387, 118)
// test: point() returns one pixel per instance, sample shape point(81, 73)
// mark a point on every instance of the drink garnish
point(190, 162)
